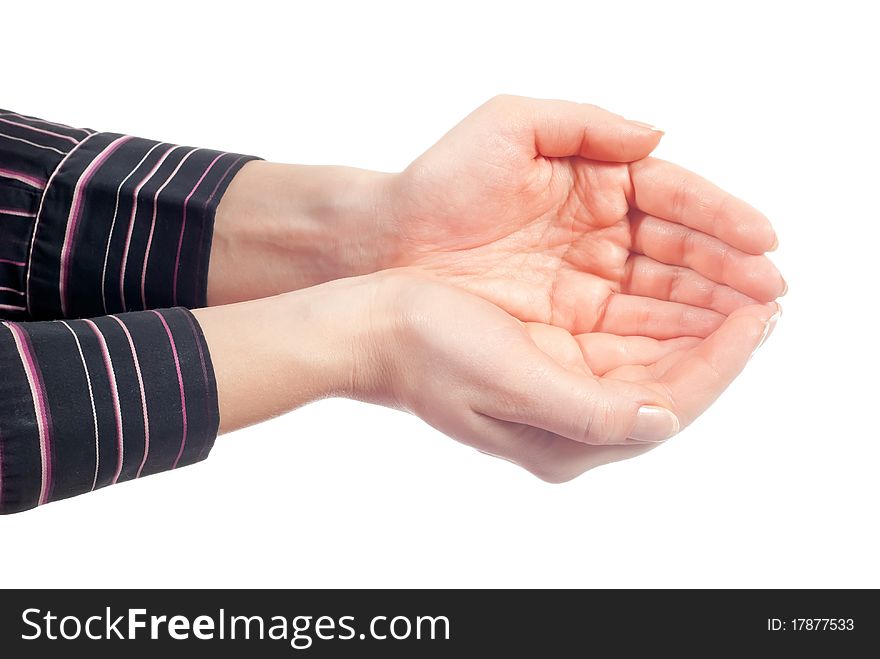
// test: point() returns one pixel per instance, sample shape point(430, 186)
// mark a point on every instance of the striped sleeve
point(94, 223)
point(93, 402)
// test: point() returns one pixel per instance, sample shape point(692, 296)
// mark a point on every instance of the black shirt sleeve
point(89, 403)
point(95, 223)
point(92, 224)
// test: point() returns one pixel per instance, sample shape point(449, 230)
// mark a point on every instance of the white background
point(776, 485)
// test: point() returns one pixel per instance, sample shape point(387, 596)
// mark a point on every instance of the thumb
point(579, 407)
point(558, 129)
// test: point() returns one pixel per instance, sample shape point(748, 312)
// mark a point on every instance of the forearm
point(89, 403)
point(286, 227)
point(275, 354)
point(95, 223)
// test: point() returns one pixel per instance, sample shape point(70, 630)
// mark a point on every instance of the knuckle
point(612, 419)
point(679, 198)
point(676, 279)
point(501, 101)
point(635, 168)
point(541, 458)
point(536, 454)
point(595, 429)
point(553, 474)
point(557, 472)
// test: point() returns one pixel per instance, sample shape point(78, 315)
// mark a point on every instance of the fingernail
point(648, 126)
point(784, 287)
point(775, 244)
point(768, 327)
point(764, 336)
point(654, 424)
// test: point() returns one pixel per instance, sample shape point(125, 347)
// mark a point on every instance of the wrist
point(277, 353)
point(349, 335)
point(285, 227)
point(346, 327)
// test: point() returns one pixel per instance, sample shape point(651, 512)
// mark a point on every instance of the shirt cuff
point(125, 223)
point(30, 150)
point(89, 403)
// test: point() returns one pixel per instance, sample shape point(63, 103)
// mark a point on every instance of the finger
point(673, 193)
point(536, 391)
point(605, 352)
point(631, 373)
point(645, 316)
point(548, 456)
point(597, 353)
point(557, 129)
point(700, 376)
point(646, 277)
point(751, 274)
point(559, 345)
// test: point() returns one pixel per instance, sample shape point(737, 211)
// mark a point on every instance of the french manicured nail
point(654, 424)
point(764, 336)
point(771, 322)
point(768, 327)
point(648, 126)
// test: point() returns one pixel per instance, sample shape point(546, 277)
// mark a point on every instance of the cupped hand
point(555, 403)
point(553, 211)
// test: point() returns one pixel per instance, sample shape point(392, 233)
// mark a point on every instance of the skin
point(538, 279)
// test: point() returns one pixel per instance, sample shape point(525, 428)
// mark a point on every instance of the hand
point(531, 204)
point(531, 393)
point(284, 227)
point(523, 204)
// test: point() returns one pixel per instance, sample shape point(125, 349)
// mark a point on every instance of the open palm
point(622, 268)
point(507, 206)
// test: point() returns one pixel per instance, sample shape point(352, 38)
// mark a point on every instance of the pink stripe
point(40, 130)
point(192, 326)
point(140, 379)
point(1, 472)
point(32, 181)
point(114, 393)
point(48, 123)
point(12, 211)
point(41, 410)
point(179, 382)
point(222, 178)
point(131, 220)
point(11, 307)
point(75, 211)
point(18, 263)
point(11, 290)
point(204, 209)
point(153, 225)
point(27, 279)
point(113, 223)
point(183, 224)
